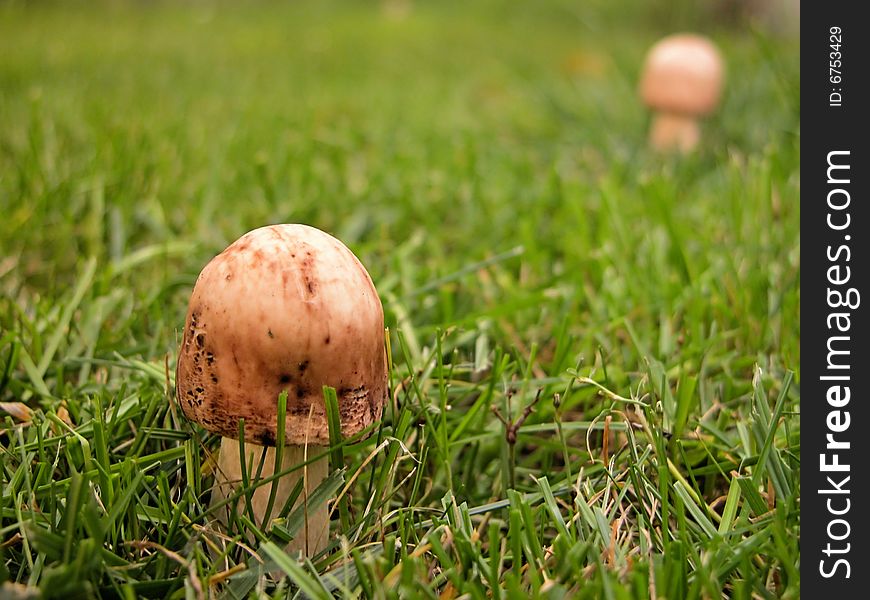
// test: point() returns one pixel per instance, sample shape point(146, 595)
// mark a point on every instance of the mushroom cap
point(682, 73)
point(285, 307)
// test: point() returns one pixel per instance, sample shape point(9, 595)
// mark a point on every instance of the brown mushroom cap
point(285, 307)
point(683, 74)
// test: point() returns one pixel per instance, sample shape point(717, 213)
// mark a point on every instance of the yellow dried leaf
point(449, 592)
point(18, 410)
point(63, 415)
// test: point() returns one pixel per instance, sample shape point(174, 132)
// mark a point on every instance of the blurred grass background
point(128, 125)
point(487, 163)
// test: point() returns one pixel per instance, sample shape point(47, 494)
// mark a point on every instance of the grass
point(595, 350)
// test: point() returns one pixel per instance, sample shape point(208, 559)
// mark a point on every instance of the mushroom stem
point(314, 534)
point(673, 131)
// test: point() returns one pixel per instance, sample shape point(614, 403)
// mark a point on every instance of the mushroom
point(681, 81)
point(283, 308)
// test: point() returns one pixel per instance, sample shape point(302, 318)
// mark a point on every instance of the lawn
point(595, 349)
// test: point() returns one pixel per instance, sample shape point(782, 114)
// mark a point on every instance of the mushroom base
point(314, 534)
point(671, 131)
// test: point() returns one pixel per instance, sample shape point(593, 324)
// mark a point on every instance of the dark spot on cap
point(302, 366)
point(301, 391)
point(266, 437)
point(356, 394)
point(214, 378)
point(269, 333)
point(326, 340)
point(200, 340)
point(285, 378)
point(307, 272)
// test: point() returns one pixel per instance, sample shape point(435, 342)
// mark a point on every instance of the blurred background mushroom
point(681, 82)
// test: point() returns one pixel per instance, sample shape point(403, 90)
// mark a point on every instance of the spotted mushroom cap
point(285, 307)
point(683, 74)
